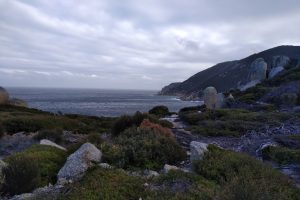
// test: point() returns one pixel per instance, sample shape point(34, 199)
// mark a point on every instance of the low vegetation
point(143, 147)
point(160, 111)
point(126, 121)
point(281, 155)
point(36, 166)
point(54, 135)
point(115, 184)
point(16, 119)
point(230, 122)
point(243, 177)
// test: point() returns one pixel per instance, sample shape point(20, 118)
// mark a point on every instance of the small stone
point(150, 173)
point(50, 143)
point(105, 166)
point(167, 168)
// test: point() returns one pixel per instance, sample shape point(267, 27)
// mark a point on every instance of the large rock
point(197, 150)
point(258, 70)
point(220, 100)
point(210, 97)
point(275, 71)
point(50, 143)
point(79, 162)
point(280, 61)
point(4, 96)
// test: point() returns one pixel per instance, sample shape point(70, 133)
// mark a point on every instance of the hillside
point(228, 75)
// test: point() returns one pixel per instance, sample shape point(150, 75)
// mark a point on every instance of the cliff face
point(232, 74)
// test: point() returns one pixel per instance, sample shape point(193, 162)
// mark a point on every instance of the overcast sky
point(134, 44)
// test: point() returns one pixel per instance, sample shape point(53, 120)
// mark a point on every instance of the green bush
point(143, 148)
point(107, 184)
point(281, 155)
point(16, 119)
point(21, 175)
point(54, 135)
point(48, 159)
point(160, 111)
point(231, 122)
point(19, 124)
point(243, 177)
point(95, 138)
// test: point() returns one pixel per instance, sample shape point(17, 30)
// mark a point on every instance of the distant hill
point(227, 75)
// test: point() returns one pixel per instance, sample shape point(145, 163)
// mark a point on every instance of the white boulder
point(79, 162)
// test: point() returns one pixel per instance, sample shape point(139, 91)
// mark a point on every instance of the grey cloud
point(134, 44)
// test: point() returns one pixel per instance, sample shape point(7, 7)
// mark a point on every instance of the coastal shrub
point(106, 184)
point(160, 111)
point(147, 148)
point(21, 175)
point(281, 155)
point(19, 124)
point(253, 94)
point(54, 135)
point(177, 184)
point(243, 177)
point(48, 159)
point(18, 119)
point(193, 108)
point(95, 138)
point(118, 185)
point(147, 124)
point(126, 121)
point(231, 122)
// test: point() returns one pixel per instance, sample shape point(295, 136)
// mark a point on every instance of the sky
point(134, 44)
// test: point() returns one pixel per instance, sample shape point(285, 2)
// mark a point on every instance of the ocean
point(96, 102)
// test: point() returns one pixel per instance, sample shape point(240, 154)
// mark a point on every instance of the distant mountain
point(228, 75)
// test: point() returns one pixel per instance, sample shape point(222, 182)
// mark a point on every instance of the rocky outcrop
point(280, 61)
point(50, 143)
point(234, 74)
point(197, 150)
point(79, 162)
point(4, 96)
point(210, 97)
point(275, 71)
point(258, 70)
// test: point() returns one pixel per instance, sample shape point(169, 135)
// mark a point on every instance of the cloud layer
point(134, 44)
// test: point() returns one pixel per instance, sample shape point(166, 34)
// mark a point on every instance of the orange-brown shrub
point(157, 128)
